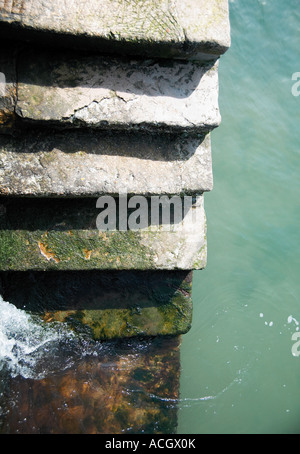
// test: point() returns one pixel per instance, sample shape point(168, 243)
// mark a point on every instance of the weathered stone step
point(70, 234)
point(91, 163)
point(106, 304)
point(70, 91)
point(179, 29)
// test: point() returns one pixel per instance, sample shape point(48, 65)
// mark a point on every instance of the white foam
point(23, 339)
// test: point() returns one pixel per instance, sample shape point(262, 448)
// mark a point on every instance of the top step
point(184, 29)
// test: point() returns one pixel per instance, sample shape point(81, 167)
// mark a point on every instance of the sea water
point(240, 361)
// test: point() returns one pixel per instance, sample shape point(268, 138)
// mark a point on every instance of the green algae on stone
point(74, 250)
point(172, 316)
point(106, 304)
point(61, 234)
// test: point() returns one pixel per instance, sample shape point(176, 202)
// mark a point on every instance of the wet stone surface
point(106, 305)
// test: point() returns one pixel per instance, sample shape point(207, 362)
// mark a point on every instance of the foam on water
point(26, 341)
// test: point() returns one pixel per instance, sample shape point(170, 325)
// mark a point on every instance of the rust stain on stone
point(47, 253)
point(87, 254)
point(103, 236)
point(48, 317)
point(7, 118)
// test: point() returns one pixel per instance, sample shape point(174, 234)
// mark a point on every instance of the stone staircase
point(102, 104)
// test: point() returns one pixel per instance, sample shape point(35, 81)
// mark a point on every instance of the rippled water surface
point(239, 374)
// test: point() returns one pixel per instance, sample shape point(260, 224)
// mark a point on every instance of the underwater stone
point(83, 163)
point(186, 29)
point(91, 91)
point(124, 387)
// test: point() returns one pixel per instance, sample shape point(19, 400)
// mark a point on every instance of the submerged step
point(65, 90)
point(106, 233)
point(179, 29)
point(106, 304)
point(89, 163)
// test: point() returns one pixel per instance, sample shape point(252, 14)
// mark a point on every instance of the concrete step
point(70, 234)
point(179, 29)
point(106, 304)
point(64, 90)
point(90, 163)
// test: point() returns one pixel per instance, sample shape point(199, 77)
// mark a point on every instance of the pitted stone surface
point(65, 90)
point(163, 28)
point(77, 163)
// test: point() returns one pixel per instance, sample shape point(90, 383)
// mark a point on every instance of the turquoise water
point(238, 371)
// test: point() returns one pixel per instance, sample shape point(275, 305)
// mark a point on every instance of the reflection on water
point(53, 381)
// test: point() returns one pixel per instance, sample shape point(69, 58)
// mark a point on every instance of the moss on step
point(106, 304)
